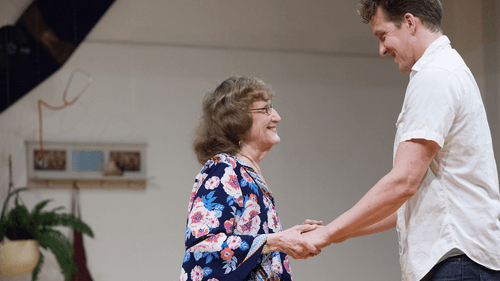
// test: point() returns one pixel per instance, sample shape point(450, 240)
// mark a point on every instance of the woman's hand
point(292, 242)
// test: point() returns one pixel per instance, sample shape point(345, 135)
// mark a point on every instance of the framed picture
point(69, 160)
point(54, 160)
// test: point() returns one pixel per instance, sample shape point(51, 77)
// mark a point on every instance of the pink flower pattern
point(212, 183)
point(226, 254)
point(234, 242)
point(249, 222)
point(197, 273)
point(231, 185)
point(228, 223)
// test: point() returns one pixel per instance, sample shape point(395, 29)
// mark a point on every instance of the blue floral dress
point(230, 214)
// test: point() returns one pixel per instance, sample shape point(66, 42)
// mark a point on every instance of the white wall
point(338, 123)
point(337, 128)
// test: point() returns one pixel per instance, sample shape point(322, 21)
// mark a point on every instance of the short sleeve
point(430, 106)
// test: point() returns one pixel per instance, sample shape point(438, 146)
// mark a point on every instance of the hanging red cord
point(65, 103)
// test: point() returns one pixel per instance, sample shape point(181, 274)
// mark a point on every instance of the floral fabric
point(230, 214)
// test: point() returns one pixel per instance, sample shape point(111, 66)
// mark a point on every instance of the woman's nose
point(276, 117)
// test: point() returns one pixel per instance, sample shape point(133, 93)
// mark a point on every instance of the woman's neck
point(254, 156)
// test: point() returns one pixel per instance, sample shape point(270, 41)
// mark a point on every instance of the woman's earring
point(239, 144)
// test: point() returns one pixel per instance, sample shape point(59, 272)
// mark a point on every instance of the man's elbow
point(408, 186)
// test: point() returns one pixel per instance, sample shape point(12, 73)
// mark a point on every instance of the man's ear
point(411, 22)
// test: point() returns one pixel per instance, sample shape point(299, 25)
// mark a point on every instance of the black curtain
point(41, 41)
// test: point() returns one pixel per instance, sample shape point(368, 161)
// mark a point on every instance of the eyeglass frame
point(268, 108)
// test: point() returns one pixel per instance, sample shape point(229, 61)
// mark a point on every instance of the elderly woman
point(233, 231)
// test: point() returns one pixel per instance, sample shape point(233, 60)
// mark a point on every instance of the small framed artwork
point(127, 161)
point(54, 160)
point(89, 161)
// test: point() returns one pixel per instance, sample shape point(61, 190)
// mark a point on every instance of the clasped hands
point(301, 241)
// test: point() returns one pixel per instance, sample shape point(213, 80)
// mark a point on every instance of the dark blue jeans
point(461, 268)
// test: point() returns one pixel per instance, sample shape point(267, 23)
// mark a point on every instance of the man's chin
point(404, 69)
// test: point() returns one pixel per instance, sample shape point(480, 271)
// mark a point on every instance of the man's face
point(394, 41)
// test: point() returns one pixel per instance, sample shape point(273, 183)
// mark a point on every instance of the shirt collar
point(430, 53)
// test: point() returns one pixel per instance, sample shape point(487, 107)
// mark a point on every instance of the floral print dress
point(230, 214)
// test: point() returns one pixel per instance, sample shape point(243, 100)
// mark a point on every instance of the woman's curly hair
point(225, 117)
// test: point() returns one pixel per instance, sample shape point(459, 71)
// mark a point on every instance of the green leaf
point(36, 210)
point(16, 201)
point(3, 230)
point(34, 275)
point(46, 219)
point(19, 225)
point(57, 209)
point(20, 215)
point(2, 217)
point(58, 244)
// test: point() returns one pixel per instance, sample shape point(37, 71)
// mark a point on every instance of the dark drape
point(79, 256)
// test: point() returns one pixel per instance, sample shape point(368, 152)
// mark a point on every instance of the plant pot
point(18, 257)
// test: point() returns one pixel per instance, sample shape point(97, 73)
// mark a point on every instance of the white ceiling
point(309, 26)
point(314, 26)
point(285, 25)
point(10, 10)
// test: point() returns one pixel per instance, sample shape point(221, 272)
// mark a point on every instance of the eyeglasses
point(268, 108)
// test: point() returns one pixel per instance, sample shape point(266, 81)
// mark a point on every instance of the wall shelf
point(90, 165)
point(88, 183)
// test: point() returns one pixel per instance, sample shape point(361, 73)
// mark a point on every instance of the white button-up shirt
point(457, 205)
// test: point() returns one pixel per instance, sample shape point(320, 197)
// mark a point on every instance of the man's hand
point(292, 242)
point(320, 237)
point(312, 222)
point(317, 237)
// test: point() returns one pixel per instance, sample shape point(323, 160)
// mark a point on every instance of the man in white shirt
point(442, 194)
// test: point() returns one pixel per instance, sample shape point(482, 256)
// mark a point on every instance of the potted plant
point(18, 224)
